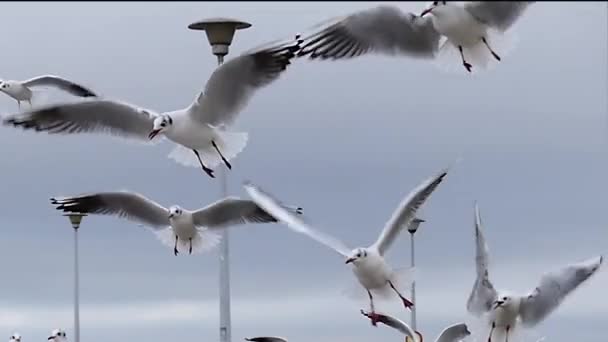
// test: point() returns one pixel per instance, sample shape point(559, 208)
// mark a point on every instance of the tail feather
point(203, 241)
point(229, 143)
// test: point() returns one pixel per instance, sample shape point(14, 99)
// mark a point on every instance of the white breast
point(18, 91)
point(372, 272)
point(458, 25)
point(190, 133)
point(183, 226)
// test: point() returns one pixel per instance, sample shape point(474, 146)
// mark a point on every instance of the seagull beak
point(349, 260)
point(51, 338)
point(171, 215)
point(426, 11)
point(498, 304)
point(153, 133)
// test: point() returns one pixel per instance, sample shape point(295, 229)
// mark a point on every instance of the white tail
point(203, 241)
point(229, 143)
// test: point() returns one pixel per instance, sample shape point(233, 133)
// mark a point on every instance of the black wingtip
point(82, 91)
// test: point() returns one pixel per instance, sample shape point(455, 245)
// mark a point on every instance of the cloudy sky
point(345, 140)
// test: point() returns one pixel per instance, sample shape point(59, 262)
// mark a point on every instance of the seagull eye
point(435, 3)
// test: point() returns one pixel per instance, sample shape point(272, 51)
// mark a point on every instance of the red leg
point(408, 304)
point(372, 315)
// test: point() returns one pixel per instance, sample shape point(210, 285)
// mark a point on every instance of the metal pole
point(225, 324)
point(413, 264)
point(76, 290)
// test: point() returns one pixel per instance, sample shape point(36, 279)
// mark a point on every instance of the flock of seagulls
point(203, 138)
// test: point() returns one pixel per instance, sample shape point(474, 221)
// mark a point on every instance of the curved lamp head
point(75, 219)
point(220, 32)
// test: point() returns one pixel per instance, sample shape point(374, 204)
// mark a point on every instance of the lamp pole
point(75, 219)
point(220, 32)
point(413, 227)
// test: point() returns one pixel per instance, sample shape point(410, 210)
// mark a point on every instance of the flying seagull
point(173, 226)
point(199, 130)
point(22, 90)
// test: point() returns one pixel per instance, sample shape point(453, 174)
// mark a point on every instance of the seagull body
point(199, 130)
point(369, 266)
point(16, 337)
point(505, 310)
point(453, 333)
point(21, 90)
point(58, 335)
point(389, 31)
point(175, 226)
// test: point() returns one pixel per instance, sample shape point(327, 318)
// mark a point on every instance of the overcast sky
point(345, 140)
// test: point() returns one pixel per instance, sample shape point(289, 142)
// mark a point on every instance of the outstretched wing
point(383, 29)
point(232, 84)
point(499, 15)
point(554, 288)
point(124, 204)
point(454, 333)
point(483, 292)
point(60, 83)
point(90, 116)
point(232, 211)
point(274, 207)
point(406, 212)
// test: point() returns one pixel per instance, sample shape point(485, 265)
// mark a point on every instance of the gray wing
point(394, 323)
point(124, 204)
point(499, 15)
point(554, 288)
point(406, 212)
point(383, 29)
point(60, 83)
point(265, 339)
point(90, 116)
point(483, 293)
point(233, 211)
point(276, 209)
point(454, 333)
point(232, 84)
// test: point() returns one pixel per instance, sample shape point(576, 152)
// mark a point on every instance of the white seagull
point(199, 130)
point(453, 333)
point(15, 338)
point(174, 226)
point(370, 267)
point(505, 310)
point(388, 30)
point(22, 90)
point(58, 335)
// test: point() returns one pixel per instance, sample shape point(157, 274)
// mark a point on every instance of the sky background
point(345, 140)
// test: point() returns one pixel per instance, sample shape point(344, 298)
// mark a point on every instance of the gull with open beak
point(505, 310)
point(58, 335)
point(369, 266)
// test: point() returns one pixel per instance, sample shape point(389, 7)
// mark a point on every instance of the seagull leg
point(19, 104)
point(221, 155)
point(372, 315)
point(30, 102)
point(467, 65)
point(175, 248)
point(206, 169)
point(491, 331)
point(483, 39)
point(408, 304)
point(190, 250)
point(507, 334)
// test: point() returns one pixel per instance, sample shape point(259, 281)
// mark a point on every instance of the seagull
point(369, 265)
point(266, 339)
point(199, 130)
point(452, 333)
point(387, 30)
point(21, 90)
point(175, 225)
point(58, 335)
point(468, 26)
point(504, 309)
point(15, 338)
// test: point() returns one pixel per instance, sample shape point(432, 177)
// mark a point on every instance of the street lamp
point(220, 32)
point(75, 219)
point(413, 227)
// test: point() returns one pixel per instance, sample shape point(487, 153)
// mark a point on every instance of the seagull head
point(432, 7)
point(15, 338)
point(356, 255)
point(161, 124)
point(505, 302)
point(57, 335)
point(175, 211)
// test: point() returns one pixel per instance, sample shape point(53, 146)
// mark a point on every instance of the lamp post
point(220, 32)
point(75, 219)
point(413, 227)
